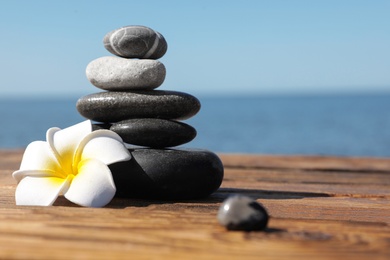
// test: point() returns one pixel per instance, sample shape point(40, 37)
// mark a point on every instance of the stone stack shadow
point(148, 119)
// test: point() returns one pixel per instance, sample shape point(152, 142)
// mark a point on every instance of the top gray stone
point(135, 42)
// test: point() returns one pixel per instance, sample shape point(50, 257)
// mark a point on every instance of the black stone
point(154, 132)
point(242, 213)
point(100, 126)
point(115, 106)
point(136, 42)
point(168, 174)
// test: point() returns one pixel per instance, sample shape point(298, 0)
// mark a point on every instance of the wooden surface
point(320, 207)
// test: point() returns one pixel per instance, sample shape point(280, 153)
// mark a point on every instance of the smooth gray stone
point(112, 106)
point(114, 73)
point(168, 174)
point(242, 213)
point(154, 132)
point(135, 42)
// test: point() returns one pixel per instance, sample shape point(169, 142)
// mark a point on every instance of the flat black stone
point(154, 132)
point(115, 106)
point(168, 174)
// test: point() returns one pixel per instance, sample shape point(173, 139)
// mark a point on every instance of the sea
point(334, 125)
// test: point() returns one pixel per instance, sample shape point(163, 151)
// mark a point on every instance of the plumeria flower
point(72, 162)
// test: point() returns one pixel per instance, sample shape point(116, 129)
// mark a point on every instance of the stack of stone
point(149, 119)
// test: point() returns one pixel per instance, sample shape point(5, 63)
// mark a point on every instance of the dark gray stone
point(135, 42)
point(117, 106)
point(154, 132)
point(242, 213)
point(119, 74)
point(168, 174)
point(99, 126)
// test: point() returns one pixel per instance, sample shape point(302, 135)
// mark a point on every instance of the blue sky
point(214, 47)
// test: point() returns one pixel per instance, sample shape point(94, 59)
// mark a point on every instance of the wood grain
point(320, 207)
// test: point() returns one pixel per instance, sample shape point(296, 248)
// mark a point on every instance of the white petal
point(39, 156)
point(93, 186)
point(36, 191)
point(64, 142)
point(103, 145)
point(19, 175)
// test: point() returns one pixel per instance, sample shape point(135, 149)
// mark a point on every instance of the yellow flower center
point(69, 166)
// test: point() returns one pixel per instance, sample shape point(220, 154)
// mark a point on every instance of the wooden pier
point(320, 208)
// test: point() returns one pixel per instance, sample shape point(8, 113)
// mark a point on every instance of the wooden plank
point(320, 207)
point(324, 183)
point(307, 162)
point(308, 177)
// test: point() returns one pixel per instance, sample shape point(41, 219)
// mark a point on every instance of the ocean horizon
point(334, 125)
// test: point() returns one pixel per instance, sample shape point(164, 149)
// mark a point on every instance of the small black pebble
point(242, 213)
